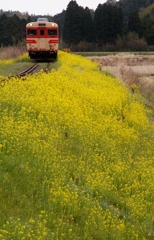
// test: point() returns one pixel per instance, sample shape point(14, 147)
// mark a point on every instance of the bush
point(131, 42)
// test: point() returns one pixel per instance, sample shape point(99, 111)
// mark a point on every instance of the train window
point(32, 32)
point(42, 20)
point(52, 32)
point(41, 32)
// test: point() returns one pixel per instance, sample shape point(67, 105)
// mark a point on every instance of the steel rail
point(27, 71)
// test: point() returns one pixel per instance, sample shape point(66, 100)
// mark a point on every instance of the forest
point(126, 25)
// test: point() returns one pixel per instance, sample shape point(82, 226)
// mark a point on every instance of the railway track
point(26, 71)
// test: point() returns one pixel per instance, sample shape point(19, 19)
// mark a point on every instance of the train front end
point(42, 39)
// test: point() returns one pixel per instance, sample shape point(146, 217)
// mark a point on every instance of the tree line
point(124, 25)
point(12, 30)
point(109, 27)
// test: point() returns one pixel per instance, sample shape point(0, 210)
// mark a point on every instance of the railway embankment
point(76, 156)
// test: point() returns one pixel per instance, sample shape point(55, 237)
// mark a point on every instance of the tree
point(108, 23)
point(12, 30)
point(3, 20)
point(149, 35)
point(72, 30)
point(147, 23)
point(59, 19)
point(134, 22)
point(87, 26)
point(134, 5)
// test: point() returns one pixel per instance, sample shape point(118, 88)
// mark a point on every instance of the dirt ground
point(130, 68)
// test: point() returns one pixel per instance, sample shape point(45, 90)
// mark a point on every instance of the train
point(42, 39)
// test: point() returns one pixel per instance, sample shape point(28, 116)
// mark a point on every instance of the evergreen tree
point(108, 23)
point(12, 30)
point(3, 36)
point(87, 23)
point(149, 35)
point(119, 20)
point(72, 30)
point(16, 33)
point(134, 22)
point(59, 19)
point(29, 19)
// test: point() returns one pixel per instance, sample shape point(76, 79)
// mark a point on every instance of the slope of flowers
point(76, 157)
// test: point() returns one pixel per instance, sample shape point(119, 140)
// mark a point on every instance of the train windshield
point(42, 20)
point(52, 32)
point(32, 32)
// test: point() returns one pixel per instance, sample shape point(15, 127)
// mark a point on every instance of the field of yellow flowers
point(76, 157)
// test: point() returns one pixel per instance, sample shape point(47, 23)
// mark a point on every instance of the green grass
point(11, 69)
point(19, 66)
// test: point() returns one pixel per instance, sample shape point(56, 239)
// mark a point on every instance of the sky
point(45, 7)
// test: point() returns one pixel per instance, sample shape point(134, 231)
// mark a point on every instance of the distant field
point(111, 53)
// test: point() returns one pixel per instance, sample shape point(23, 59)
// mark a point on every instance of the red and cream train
point(42, 39)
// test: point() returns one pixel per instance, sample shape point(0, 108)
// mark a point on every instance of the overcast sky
point(43, 7)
